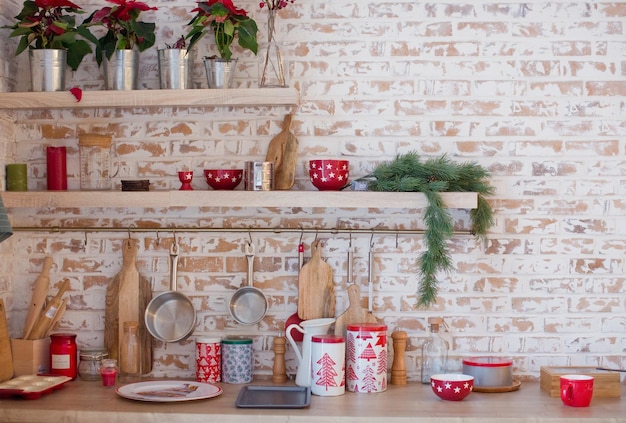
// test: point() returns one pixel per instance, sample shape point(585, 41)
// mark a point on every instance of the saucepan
point(248, 304)
point(170, 316)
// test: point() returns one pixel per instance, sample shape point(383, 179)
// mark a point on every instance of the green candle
point(17, 179)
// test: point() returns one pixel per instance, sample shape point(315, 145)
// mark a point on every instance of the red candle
point(108, 371)
point(56, 168)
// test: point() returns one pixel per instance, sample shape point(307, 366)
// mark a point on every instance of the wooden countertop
point(81, 401)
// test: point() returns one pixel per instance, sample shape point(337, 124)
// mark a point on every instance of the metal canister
point(237, 360)
point(208, 359)
point(258, 176)
point(366, 357)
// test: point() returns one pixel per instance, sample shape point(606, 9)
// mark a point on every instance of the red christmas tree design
point(351, 375)
point(382, 362)
point(368, 353)
point(326, 372)
point(351, 349)
point(369, 380)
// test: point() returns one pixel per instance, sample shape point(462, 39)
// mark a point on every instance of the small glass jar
point(108, 372)
point(90, 362)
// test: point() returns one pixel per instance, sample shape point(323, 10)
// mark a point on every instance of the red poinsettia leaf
point(77, 92)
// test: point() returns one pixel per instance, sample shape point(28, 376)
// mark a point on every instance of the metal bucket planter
point(175, 68)
point(121, 70)
point(219, 72)
point(47, 69)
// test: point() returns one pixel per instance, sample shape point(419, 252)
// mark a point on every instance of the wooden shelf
point(152, 98)
point(242, 199)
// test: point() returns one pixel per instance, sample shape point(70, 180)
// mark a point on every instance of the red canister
point(63, 355)
point(208, 359)
point(366, 357)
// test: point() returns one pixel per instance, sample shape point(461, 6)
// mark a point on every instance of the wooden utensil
point(355, 313)
point(316, 292)
point(38, 299)
point(6, 358)
point(44, 320)
point(59, 314)
point(283, 151)
point(127, 297)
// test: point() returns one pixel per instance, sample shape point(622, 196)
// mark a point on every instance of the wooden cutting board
point(316, 292)
point(127, 297)
point(355, 313)
point(283, 151)
point(6, 358)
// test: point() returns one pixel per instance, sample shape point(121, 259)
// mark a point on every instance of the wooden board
point(6, 358)
point(127, 297)
point(605, 384)
point(316, 292)
point(355, 313)
point(283, 151)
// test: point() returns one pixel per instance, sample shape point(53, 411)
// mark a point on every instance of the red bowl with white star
point(452, 386)
point(223, 179)
point(329, 175)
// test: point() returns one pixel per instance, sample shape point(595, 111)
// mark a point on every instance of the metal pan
point(248, 304)
point(170, 316)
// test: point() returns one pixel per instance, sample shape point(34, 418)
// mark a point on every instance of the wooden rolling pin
point(46, 319)
point(38, 300)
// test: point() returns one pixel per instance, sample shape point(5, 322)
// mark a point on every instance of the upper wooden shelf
point(245, 199)
point(148, 98)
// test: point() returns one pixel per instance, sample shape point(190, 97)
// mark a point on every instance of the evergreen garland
point(433, 176)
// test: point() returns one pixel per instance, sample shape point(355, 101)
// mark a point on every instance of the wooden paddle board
point(6, 358)
point(316, 292)
point(127, 297)
point(283, 151)
point(355, 313)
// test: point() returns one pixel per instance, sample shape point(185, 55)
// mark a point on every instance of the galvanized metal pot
point(47, 69)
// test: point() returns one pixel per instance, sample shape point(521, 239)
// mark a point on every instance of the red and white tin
point(208, 360)
point(328, 365)
point(366, 357)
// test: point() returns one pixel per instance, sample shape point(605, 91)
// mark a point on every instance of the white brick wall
point(533, 91)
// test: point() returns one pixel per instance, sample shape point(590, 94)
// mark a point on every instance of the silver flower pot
point(175, 68)
point(219, 72)
point(47, 69)
point(121, 70)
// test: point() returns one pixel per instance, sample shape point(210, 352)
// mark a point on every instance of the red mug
point(576, 390)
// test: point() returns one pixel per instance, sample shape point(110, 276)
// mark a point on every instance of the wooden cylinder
point(398, 368)
point(279, 371)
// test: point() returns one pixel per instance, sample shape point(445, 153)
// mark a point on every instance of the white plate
point(168, 391)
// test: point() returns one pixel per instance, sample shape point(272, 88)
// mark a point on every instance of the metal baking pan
point(273, 397)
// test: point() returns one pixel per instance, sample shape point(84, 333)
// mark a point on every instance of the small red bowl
point(223, 179)
point(452, 387)
point(329, 175)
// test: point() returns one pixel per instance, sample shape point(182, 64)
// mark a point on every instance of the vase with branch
point(271, 62)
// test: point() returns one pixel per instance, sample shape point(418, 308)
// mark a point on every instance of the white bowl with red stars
point(452, 386)
point(329, 175)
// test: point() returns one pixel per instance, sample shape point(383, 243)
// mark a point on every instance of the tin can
point(237, 360)
point(328, 365)
point(366, 357)
point(63, 355)
point(258, 176)
point(208, 360)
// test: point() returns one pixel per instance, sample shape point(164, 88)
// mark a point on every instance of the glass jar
point(96, 154)
point(130, 351)
point(108, 371)
point(63, 355)
point(90, 363)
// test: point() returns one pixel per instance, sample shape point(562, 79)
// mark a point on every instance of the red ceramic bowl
point(223, 179)
point(452, 387)
point(329, 175)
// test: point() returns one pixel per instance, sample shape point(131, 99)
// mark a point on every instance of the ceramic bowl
point(223, 179)
point(329, 175)
point(452, 386)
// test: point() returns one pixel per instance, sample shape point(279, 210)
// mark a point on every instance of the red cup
point(576, 390)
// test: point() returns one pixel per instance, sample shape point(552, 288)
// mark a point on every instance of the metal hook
point(158, 240)
point(397, 240)
point(175, 239)
point(85, 242)
point(301, 235)
point(350, 242)
point(129, 232)
point(372, 240)
point(250, 236)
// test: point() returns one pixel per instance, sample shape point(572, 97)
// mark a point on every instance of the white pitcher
point(308, 328)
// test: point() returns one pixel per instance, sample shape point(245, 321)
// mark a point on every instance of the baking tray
point(32, 386)
point(255, 396)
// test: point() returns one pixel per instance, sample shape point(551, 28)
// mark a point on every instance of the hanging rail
point(56, 229)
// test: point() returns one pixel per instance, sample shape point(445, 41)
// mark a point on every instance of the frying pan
point(170, 316)
point(248, 304)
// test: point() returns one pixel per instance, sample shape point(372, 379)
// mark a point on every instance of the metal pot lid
point(488, 361)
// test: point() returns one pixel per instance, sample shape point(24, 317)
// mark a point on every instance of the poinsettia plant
point(51, 24)
point(124, 30)
point(226, 21)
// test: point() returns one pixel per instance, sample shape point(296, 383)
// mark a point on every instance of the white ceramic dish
point(168, 391)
